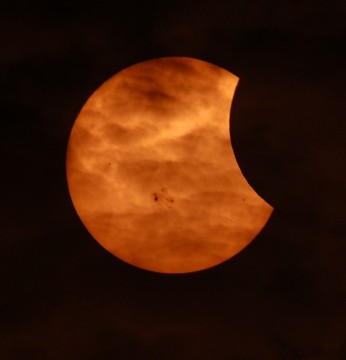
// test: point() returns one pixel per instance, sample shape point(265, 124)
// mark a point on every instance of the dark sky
point(283, 297)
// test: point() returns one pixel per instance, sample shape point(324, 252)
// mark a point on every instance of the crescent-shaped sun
point(152, 173)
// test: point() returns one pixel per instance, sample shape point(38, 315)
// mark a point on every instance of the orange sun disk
point(152, 173)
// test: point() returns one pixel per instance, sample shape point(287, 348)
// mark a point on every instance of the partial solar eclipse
point(152, 173)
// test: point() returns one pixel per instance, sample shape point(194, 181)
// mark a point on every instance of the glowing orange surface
point(152, 173)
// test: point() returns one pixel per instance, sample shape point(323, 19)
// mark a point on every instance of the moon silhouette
point(151, 170)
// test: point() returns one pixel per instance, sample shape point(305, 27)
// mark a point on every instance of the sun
point(151, 170)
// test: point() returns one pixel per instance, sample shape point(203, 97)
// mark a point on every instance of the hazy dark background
point(62, 296)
